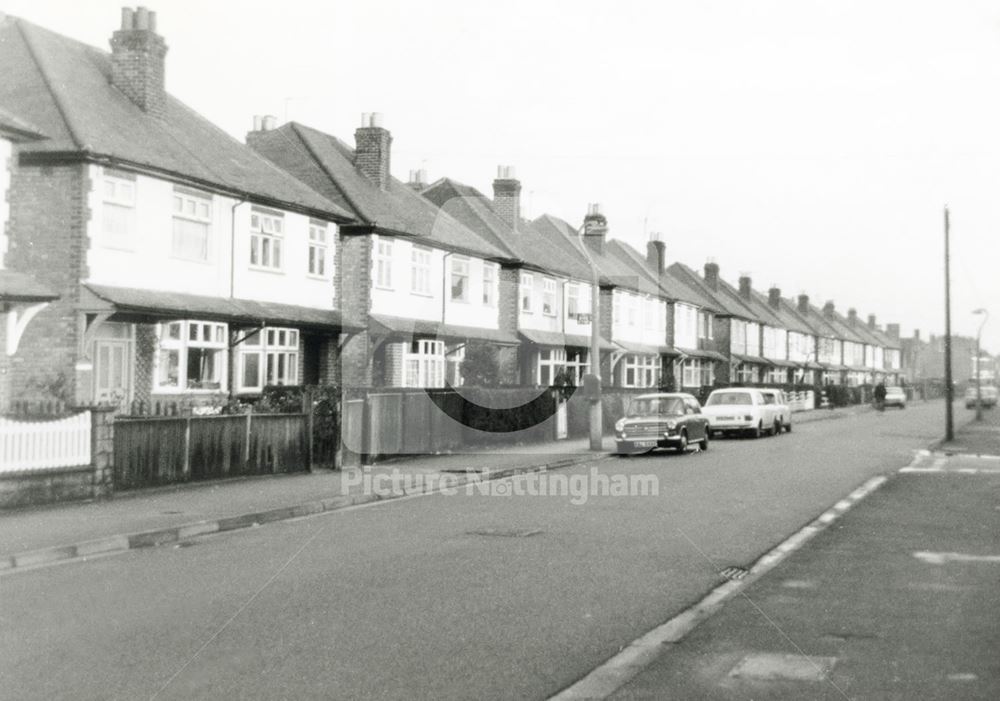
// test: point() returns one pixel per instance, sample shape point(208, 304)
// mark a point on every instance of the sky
point(810, 144)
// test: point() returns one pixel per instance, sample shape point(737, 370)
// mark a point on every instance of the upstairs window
point(318, 248)
point(548, 296)
point(420, 271)
point(489, 285)
point(459, 279)
point(383, 263)
point(118, 195)
point(191, 355)
point(192, 225)
point(527, 292)
point(572, 300)
point(266, 233)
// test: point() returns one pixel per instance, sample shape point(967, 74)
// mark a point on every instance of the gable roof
point(726, 302)
point(673, 288)
point(326, 164)
point(787, 318)
point(535, 248)
point(63, 88)
point(16, 129)
point(843, 328)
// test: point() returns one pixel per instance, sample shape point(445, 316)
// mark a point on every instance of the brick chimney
point(373, 144)
point(656, 253)
point(892, 330)
point(261, 123)
point(871, 322)
point(712, 274)
point(804, 304)
point(746, 286)
point(828, 310)
point(774, 296)
point(507, 196)
point(137, 54)
point(595, 228)
point(916, 334)
point(852, 316)
point(418, 180)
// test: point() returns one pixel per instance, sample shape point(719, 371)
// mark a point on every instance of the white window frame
point(118, 196)
point(489, 284)
point(640, 370)
point(191, 210)
point(424, 363)
point(319, 246)
point(572, 300)
point(549, 289)
point(459, 270)
point(383, 262)
point(267, 236)
point(551, 360)
point(277, 355)
point(218, 341)
point(421, 260)
point(527, 285)
point(577, 364)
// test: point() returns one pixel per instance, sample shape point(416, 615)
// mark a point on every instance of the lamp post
point(979, 385)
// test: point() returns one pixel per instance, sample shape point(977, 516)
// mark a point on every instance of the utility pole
point(949, 419)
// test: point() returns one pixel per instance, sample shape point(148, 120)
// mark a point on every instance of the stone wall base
point(46, 487)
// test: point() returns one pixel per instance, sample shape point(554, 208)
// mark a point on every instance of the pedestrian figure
point(880, 396)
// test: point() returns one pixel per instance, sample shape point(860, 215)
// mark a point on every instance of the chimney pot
point(258, 122)
point(268, 122)
point(128, 18)
point(852, 316)
point(595, 228)
point(142, 18)
point(828, 309)
point(137, 61)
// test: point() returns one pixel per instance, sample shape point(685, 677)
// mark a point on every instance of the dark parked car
point(661, 421)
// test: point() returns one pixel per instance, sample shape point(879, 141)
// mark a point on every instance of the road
point(443, 597)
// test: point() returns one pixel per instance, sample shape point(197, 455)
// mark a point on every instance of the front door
point(113, 365)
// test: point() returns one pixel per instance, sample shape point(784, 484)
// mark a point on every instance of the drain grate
point(505, 532)
point(466, 470)
point(734, 572)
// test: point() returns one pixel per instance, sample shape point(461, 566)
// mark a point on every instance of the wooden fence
point(46, 444)
point(154, 451)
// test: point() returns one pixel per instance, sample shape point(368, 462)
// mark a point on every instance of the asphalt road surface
point(438, 597)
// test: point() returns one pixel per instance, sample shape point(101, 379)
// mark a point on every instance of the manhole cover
point(777, 666)
point(734, 572)
point(506, 532)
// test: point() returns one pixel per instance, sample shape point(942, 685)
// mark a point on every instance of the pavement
point(891, 594)
point(143, 518)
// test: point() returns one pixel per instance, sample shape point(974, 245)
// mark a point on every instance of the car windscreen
point(724, 398)
point(655, 406)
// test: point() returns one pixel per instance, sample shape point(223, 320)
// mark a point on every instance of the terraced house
point(418, 283)
point(187, 267)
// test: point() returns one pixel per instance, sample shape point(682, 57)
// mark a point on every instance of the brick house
point(420, 284)
point(188, 268)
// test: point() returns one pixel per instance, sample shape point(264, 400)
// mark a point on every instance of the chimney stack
point(261, 123)
point(656, 253)
point(871, 322)
point(372, 149)
point(418, 179)
point(916, 334)
point(774, 297)
point(746, 287)
point(893, 331)
point(712, 274)
point(595, 228)
point(852, 316)
point(507, 196)
point(828, 310)
point(137, 54)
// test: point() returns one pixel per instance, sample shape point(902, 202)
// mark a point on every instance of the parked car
point(658, 420)
point(989, 394)
point(895, 396)
point(740, 410)
point(780, 407)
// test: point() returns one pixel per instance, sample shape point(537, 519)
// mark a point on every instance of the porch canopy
point(558, 339)
point(707, 354)
point(753, 359)
point(811, 365)
point(384, 325)
point(784, 363)
point(156, 305)
point(646, 349)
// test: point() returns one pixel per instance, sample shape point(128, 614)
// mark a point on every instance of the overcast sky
point(811, 144)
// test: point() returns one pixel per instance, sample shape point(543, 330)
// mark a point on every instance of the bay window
point(548, 296)
point(527, 292)
point(577, 365)
point(420, 270)
point(118, 227)
point(696, 372)
point(641, 371)
point(383, 263)
point(423, 364)
point(191, 355)
point(268, 356)
point(550, 362)
point(318, 247)
point(459, 279)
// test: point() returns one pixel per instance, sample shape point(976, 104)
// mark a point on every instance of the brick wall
point(723, 370)
point(137, 68)
point(510, 371)
point(354, 299)
point(47, 229)
point(607, 309)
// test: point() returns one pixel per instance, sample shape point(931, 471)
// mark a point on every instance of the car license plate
point(727, 418)
point(644, 444)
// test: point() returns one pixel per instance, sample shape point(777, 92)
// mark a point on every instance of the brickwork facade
point(137, 68)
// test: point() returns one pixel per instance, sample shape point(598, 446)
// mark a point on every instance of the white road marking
point(944, 558)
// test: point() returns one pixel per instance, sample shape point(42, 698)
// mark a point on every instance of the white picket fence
point(801, 401)
point(44, 445)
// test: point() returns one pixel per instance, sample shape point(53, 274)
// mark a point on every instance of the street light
point(979, 385)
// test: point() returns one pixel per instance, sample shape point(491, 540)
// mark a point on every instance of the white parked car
point(895, 396)
point(740, 410)
point(780, 407)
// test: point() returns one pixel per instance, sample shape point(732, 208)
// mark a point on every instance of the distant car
point(661, 421)
point(989, 394)
point(740, 410)
point(776, 400)
point(895, 396)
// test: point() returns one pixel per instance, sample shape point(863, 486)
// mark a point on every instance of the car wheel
point(788, 427)
point(776, 429)
point(758, 430)
point(704, 442)
point(682, 444)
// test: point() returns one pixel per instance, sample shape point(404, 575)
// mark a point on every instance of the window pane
point(168, 366)
point(251, 369)
point(190, 239)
